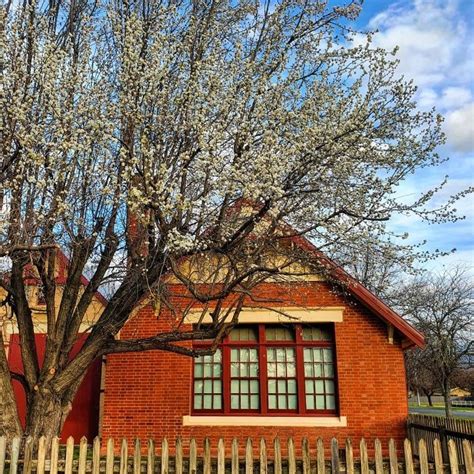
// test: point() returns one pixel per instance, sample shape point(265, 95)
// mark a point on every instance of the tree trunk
point(430, 400)
point(9, 421)
point(447, 400)
point(46, 414)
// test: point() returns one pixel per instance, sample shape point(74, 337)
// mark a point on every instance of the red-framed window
point(269, 369)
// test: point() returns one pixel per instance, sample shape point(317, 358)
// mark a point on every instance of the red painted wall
point(147, 394)
point(83, 420)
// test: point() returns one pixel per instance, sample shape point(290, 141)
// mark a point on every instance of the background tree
point(442, 307)
point(133, 132)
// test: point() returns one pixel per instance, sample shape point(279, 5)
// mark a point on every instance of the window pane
point(272, 402)
point(234, 401)
point(328, 370)
point(207, 382)
point(320, 402)
point(253, 370)
point(198, 402)
point(327, 355)
point(329, 384)
point(234, 386)
point(317, 333)
point(244, 333)
point(319, 386)
point(272, 386)
point(291, 386)
point(244, 402)
point(254, 386)
point(292, 402)
point(279, 333)
point(331, 402)
point(254, 402)
point(309, 386)
point(309, 402)
point(234, 370)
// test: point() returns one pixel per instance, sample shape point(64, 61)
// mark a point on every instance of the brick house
point(328, 362)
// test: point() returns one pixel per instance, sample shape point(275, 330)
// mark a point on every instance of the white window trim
point(291, 421)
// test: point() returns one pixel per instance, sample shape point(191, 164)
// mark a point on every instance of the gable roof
point(362, 294)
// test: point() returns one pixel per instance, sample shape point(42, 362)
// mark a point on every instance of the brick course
point(147, 394)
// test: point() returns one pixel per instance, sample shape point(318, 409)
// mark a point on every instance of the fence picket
point(137, 457)
point(409, 468)
point(453, 457)
point(438, 457)
point(467, 451)
point(3, 453)
point(150, 458)
point(305, 455)
point(349, 457)
point(235, 456)
point(109, 459)
point(95, 456)
point(320, 456)
point(192, 456)
point(207, 457)
point(82, 456)
point(164, 457)
point(178, 457)
point(53, 469)
point(277, 456)
point(14, 455)
point(423, 454)
point(335, 466)
point(249, 457)
point(263, 457)
point(28, 455)
point(378, 457)
point(41, 456)
point(291, 457)
point(220, 457)
point(123, 467)
point(364, 458)
point(392, 454)
point(69, 455)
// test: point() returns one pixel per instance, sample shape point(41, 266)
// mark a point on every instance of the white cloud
point(459, 127)
point(432, 38)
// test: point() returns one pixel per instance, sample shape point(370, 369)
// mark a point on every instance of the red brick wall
point(147, 394)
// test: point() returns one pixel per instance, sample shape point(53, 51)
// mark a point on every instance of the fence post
point(27, 455)
point(378, 457)
point(423, 455)
point(248, 457)
point(438, 457)
point(164, 457)
point(306, 457)
point(453, 457)
point(109, 460)
point(3, 452)
point(207, 457)
point(467, 451)
point(95, 456)
point(192, 457)
point(364, 458)
point(82, 455)
point(235, 456)
point(263, 457)
point(150, 458)
point(392, 453)
point(137, 457)
point(320, 456)
point(349, 457)
point(277, 456)
point(291, 457)
point(123, 467)
point(178, 457)
point(41, 456)
point(335, 465)
point(69, 455)
point(220, 457)
point(14, 455)
point(409, 468)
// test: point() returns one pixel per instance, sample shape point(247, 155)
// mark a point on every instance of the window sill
point(296, 421)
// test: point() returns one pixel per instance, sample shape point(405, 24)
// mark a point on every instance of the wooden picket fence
point(431, 428)
point(37, 457)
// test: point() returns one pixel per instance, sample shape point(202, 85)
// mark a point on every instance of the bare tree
point(442, 307)
point(138, 134)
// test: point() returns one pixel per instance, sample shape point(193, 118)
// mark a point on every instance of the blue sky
point(436, 41)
